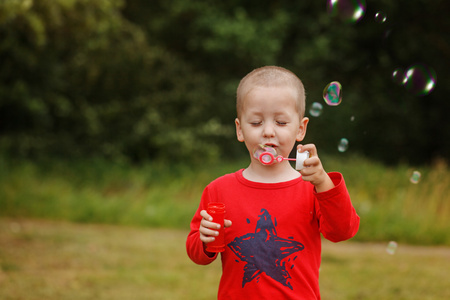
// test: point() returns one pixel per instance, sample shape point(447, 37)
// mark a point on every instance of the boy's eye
point(255, 123)
point(281, 123)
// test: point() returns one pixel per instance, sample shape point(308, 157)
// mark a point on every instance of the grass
point(163, 195)
point(58, 260)
point(393, 208)
point(102, 192)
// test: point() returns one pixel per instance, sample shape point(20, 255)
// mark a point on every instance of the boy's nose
point(268, 130)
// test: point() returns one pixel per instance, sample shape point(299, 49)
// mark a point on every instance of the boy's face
point(269, 116)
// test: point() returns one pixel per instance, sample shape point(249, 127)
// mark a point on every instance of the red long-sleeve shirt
point(273, 248)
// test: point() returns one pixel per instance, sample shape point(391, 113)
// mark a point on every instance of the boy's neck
point(279, 172)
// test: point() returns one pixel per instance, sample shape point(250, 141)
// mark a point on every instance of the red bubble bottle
point(217, 211)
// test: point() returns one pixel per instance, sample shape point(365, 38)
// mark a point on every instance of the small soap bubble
point(391, 247)
point(343, 145)
point(380, 17)
point(352, 118)
point(332, 93)
point(420, 79)
point(398, 76)
point(316, 109)
point(415, 177)
point(350, 11)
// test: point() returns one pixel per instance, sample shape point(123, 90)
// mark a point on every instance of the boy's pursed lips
point(270, 145)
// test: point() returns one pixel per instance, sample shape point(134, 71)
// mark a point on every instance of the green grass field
point(57, 260)
point(164, 195)
point(102, 230)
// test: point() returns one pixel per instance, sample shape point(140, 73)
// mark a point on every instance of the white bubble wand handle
point(301, 157)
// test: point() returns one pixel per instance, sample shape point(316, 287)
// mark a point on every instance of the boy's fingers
point(227, 223)
point(206, 239)
point(209, 225)
point(312, 162)
point(311, 148)
point(205, 215)
point(209, 232)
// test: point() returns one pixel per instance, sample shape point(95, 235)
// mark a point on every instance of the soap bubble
point(343, 145)
point(419, 79)
point(391, 247)
point(380, 17)
point(398, 76)
point(332, 93)
point(264, 149)
point(350, 11)
point(316, 109)
point(415, 177)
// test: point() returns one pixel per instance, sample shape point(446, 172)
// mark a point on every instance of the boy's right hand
point(208, 229)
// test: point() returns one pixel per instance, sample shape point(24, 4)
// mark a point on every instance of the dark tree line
point(156, 79)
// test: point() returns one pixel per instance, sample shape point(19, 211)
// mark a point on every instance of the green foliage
point(167, 195)
point(79, 79)
point(156, 79)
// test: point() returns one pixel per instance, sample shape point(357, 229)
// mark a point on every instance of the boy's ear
point(239, 134)
point(302, 129)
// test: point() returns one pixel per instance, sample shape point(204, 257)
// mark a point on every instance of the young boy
point(274, 214)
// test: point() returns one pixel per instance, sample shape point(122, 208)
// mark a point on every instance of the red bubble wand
point(267, 155)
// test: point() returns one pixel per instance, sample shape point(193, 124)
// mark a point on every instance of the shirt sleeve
point(338, 220)
point(194, 246)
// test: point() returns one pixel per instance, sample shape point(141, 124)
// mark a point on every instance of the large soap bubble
point(265, 154)
point(419, 79)
point(332, 93)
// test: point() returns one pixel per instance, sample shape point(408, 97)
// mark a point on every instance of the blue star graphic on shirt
point(264, 251)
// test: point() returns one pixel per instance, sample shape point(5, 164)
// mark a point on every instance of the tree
point(157, 79)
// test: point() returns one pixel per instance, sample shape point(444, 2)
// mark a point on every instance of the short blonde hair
point(268, 76)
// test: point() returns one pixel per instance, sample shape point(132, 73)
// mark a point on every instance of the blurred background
point(142, 80)
point(122, 111)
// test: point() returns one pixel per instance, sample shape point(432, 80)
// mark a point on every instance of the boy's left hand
point(313, 171)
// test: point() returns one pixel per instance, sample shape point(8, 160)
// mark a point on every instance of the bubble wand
point(267, 155)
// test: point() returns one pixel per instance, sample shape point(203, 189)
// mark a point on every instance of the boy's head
point(270, 108)
point(271, 76)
